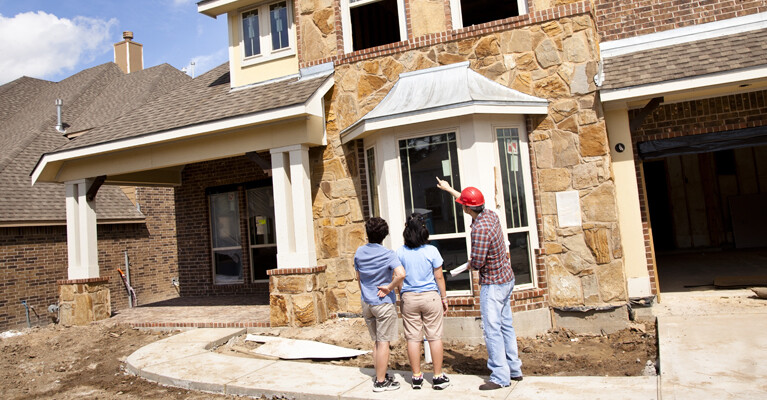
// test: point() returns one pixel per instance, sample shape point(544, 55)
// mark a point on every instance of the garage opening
point(708, 210)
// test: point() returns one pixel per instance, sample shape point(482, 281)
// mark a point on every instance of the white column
point(627, 193)
point(82, 242)
point(293, 207)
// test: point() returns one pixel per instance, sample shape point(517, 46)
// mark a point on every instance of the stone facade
point(297, 296)
point(82, 301)
point(554, 59)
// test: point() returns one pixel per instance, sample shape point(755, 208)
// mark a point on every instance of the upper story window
point(371, 23)
point(266, 31)
point(473, 12)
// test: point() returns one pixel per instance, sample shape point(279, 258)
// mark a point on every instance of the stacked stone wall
point(33, 259)
point(297, 296)
point(554, 58)
point(624, 19)
point(82, 301)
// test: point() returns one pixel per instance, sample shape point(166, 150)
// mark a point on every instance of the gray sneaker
point(385, 385)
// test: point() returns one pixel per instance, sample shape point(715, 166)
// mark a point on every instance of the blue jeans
point(500, 339)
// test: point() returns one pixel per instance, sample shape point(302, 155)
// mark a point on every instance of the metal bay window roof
point(443, 92)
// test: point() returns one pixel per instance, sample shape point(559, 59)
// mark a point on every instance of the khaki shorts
point(422, 312)
point(381, 321)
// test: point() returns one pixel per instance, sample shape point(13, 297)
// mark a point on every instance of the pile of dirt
point(55, 362)
point(629, 352)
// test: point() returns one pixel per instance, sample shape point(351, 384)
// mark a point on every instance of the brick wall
point(193, 216)
point(623, 19)
point(716, 114)
point(33, 258)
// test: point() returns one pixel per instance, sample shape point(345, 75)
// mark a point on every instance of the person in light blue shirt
point(379, 272)
point(424, 300)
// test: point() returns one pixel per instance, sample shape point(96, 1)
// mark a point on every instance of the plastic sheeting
point(703, 143)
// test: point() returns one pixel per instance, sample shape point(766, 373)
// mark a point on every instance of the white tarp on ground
point(293, 349)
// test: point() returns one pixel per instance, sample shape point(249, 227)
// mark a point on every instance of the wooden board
point(740, 281)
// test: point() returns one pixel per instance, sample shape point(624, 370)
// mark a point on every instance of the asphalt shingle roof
point(207, 98)
point(92, 98)
point(703, 57)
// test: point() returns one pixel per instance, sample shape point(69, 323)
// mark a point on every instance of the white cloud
point(207, 62)
point(39, 44)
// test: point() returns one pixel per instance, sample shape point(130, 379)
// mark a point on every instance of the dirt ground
point(88, 362)
point(556, 353)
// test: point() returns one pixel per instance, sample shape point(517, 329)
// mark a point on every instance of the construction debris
point(293, 349)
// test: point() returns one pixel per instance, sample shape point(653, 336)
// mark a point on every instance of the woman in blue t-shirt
point(424, 300)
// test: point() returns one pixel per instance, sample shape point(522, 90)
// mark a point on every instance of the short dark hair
point(477, 209)
point(377, 229)
point(415, 233)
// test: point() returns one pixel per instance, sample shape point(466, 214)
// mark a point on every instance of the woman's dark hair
point(415, 234)
point(377, 229)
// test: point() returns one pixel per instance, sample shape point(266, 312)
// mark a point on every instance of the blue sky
point(53, 39)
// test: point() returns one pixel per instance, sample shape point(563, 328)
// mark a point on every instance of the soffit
point(435, 93)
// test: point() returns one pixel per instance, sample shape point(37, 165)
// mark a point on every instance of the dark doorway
point(660, 213)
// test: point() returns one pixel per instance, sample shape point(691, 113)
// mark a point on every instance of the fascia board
point(376, 124)
point(698, 82)
point(166, 136)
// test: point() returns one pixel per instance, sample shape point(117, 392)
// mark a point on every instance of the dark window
point(475, 12)
point(374, 24)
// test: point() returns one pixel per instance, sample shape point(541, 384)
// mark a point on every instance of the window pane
point(228, 266)
point(519, 251)
point(374, 24)
point(475, 12)
point(264, 258)
point(261, 216)
point(373, 189)
point(424, 159)
point(225, 220)
point(250, 33)
point(511, 177)
point(278, 19)
point(454, 253)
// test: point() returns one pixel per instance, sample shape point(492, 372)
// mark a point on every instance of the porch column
point(629, 209)
point(293, 207)
point(82, 245)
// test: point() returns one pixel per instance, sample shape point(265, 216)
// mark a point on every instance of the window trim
point(456, 13)
point(250, 247)
point(346, 21)
point(532, 227)
point(209, 194)
point(374, 207)
point(265, 34)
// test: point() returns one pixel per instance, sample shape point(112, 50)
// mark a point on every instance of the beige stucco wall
point(245, 72)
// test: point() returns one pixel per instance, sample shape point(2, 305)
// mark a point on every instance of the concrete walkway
point(715, 356)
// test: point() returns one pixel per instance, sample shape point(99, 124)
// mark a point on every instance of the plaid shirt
point(488, 250)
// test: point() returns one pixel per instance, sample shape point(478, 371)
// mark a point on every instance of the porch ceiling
point(442, 92)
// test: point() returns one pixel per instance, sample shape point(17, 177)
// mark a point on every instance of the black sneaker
point(417, 382)
point(517, 378)
point(386, 377)
point(440, 382)
point(385, 385)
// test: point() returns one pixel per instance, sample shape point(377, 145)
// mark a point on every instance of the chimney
point(129, 55)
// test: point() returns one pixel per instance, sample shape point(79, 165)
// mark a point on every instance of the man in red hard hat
point(496, 280)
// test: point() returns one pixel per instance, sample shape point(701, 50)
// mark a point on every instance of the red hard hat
point(471, 197)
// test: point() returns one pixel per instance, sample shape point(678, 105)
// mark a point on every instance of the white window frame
point(532, 228)
point(375, 207)
point(466, 234)
point(265, 34)
point(256, 246)
point(346, 20)
point(457, 14)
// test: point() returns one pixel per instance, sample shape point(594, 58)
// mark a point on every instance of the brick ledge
point(292, 271)
point(103, 279)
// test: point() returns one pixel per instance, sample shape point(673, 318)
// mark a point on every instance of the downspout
point(26, 307)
